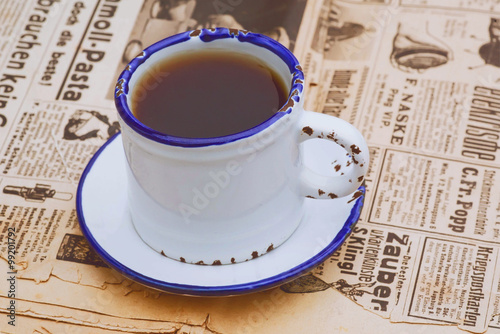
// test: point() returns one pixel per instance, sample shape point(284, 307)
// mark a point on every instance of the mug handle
point(350, 176)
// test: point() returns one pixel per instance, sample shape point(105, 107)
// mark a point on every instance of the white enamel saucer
point(105, 222)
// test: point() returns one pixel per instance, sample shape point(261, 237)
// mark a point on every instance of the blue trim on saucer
point(229, 290)
point(207, 35)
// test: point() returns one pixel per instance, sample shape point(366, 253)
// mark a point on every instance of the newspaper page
point(421, 82)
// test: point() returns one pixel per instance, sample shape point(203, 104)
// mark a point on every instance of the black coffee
point(207, 93)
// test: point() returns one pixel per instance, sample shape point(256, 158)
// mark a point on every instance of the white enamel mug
point(229, 199)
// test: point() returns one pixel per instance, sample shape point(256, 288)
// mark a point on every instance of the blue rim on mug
point(207, 36)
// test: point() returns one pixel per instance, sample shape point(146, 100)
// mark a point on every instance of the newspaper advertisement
point(421, 82)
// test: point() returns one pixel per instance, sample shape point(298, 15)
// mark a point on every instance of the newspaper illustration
point(414, 50)
point(39, 193)
point(159, 18)
point(422, 83)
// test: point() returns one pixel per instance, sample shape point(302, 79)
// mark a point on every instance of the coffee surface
point(207, 93)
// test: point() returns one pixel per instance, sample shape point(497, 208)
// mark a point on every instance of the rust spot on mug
point(201, 263)
point(350, 180)
point(290, 102)
point(337, 167)
point(233, 260)
point(355, 149)
point(128, 68)
point(320, 192)
point(119, 87)
point(361, 178)
point(307, 130)
point(332, 195)
point(216, 263)
point(298, 81)
point(308, 196)
point(183, 259)
point(235, 32)
point(162, 253)
point(348, 163)
point(270, 248)
point(195, 33)
point(331, 135)
point(255, 254)
point(298, 67)
point(355, 196)
point(361, 165)
point(141, 54)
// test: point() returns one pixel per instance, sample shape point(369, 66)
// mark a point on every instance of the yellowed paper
point(421, 82)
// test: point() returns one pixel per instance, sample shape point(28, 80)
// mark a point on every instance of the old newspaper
point(421, 82)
